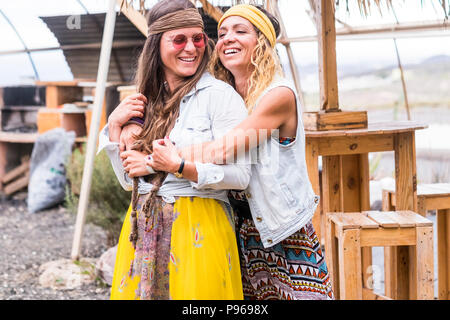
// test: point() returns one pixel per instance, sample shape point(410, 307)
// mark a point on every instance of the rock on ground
point(67, 274)
point(105, 265)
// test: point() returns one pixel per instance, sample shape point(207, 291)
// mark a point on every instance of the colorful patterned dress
point(187, 250)
point(293, 269)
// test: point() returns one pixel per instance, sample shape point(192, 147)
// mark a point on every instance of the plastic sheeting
point(51, 65)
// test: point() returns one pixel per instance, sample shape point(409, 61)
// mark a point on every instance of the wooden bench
point(347, 233)
point(434, 196)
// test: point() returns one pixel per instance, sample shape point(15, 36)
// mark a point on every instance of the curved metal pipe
point(36, 74)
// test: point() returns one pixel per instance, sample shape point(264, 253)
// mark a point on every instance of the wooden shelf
point(341, 120)
point(374, 128)
point(21, 108)
point(15, 137)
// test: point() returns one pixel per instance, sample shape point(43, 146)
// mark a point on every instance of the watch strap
point(180, 169)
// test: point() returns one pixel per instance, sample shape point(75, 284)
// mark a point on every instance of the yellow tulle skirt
point(185, 250)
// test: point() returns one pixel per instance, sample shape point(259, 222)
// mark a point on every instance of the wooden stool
point(434, 196)
point(347, 233)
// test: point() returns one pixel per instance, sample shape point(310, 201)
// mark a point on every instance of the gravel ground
point(29, 240)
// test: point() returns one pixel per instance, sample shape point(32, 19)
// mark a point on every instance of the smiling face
point(179, 63)
point(236, 40)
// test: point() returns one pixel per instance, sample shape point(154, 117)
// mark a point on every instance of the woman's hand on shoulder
point(131, 106)
point(134, 163)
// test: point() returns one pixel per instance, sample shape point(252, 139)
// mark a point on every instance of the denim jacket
point(280, 195)
point(208, 112)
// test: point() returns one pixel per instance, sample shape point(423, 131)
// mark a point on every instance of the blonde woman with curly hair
point(281, 257)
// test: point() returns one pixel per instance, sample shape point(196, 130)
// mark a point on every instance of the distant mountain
point(442, 58)
point(364, 74)
point(344, 70)
point(361, 68)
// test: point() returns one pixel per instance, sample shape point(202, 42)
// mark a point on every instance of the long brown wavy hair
point(163, 105)
point(264, 61)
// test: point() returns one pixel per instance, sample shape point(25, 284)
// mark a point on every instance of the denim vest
point(280, 195)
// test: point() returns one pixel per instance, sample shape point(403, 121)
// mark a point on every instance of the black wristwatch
point(179, 174)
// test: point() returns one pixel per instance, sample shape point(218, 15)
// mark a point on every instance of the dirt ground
point(28, 240)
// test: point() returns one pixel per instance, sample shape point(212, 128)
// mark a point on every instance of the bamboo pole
point(102, 75)
point(402, 77)
point(274, 8)
point(387, 29)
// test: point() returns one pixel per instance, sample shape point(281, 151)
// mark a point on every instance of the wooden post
point(103, 67)
point(422, 278)
point(351, 184)
point(331, 184)
point(326, 33)
point(331, 256)
point(405, 179)
point(364, 200)
point(330, 116)
point(312, 163)
point(405, 199)
point(443, 233)
point(350, 265)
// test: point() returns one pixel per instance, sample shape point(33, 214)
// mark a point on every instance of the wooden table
point(345, 179)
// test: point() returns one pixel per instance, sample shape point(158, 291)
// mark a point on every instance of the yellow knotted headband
point(256, 17)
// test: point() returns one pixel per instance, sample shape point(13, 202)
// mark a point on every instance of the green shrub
point(108, 202)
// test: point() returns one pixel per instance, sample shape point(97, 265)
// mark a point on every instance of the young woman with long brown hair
point(177, 240)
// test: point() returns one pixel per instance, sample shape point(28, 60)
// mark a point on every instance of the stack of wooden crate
point(75, 119)
point(16, 147)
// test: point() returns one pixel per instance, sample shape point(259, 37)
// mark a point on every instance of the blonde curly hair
point(265, 64)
